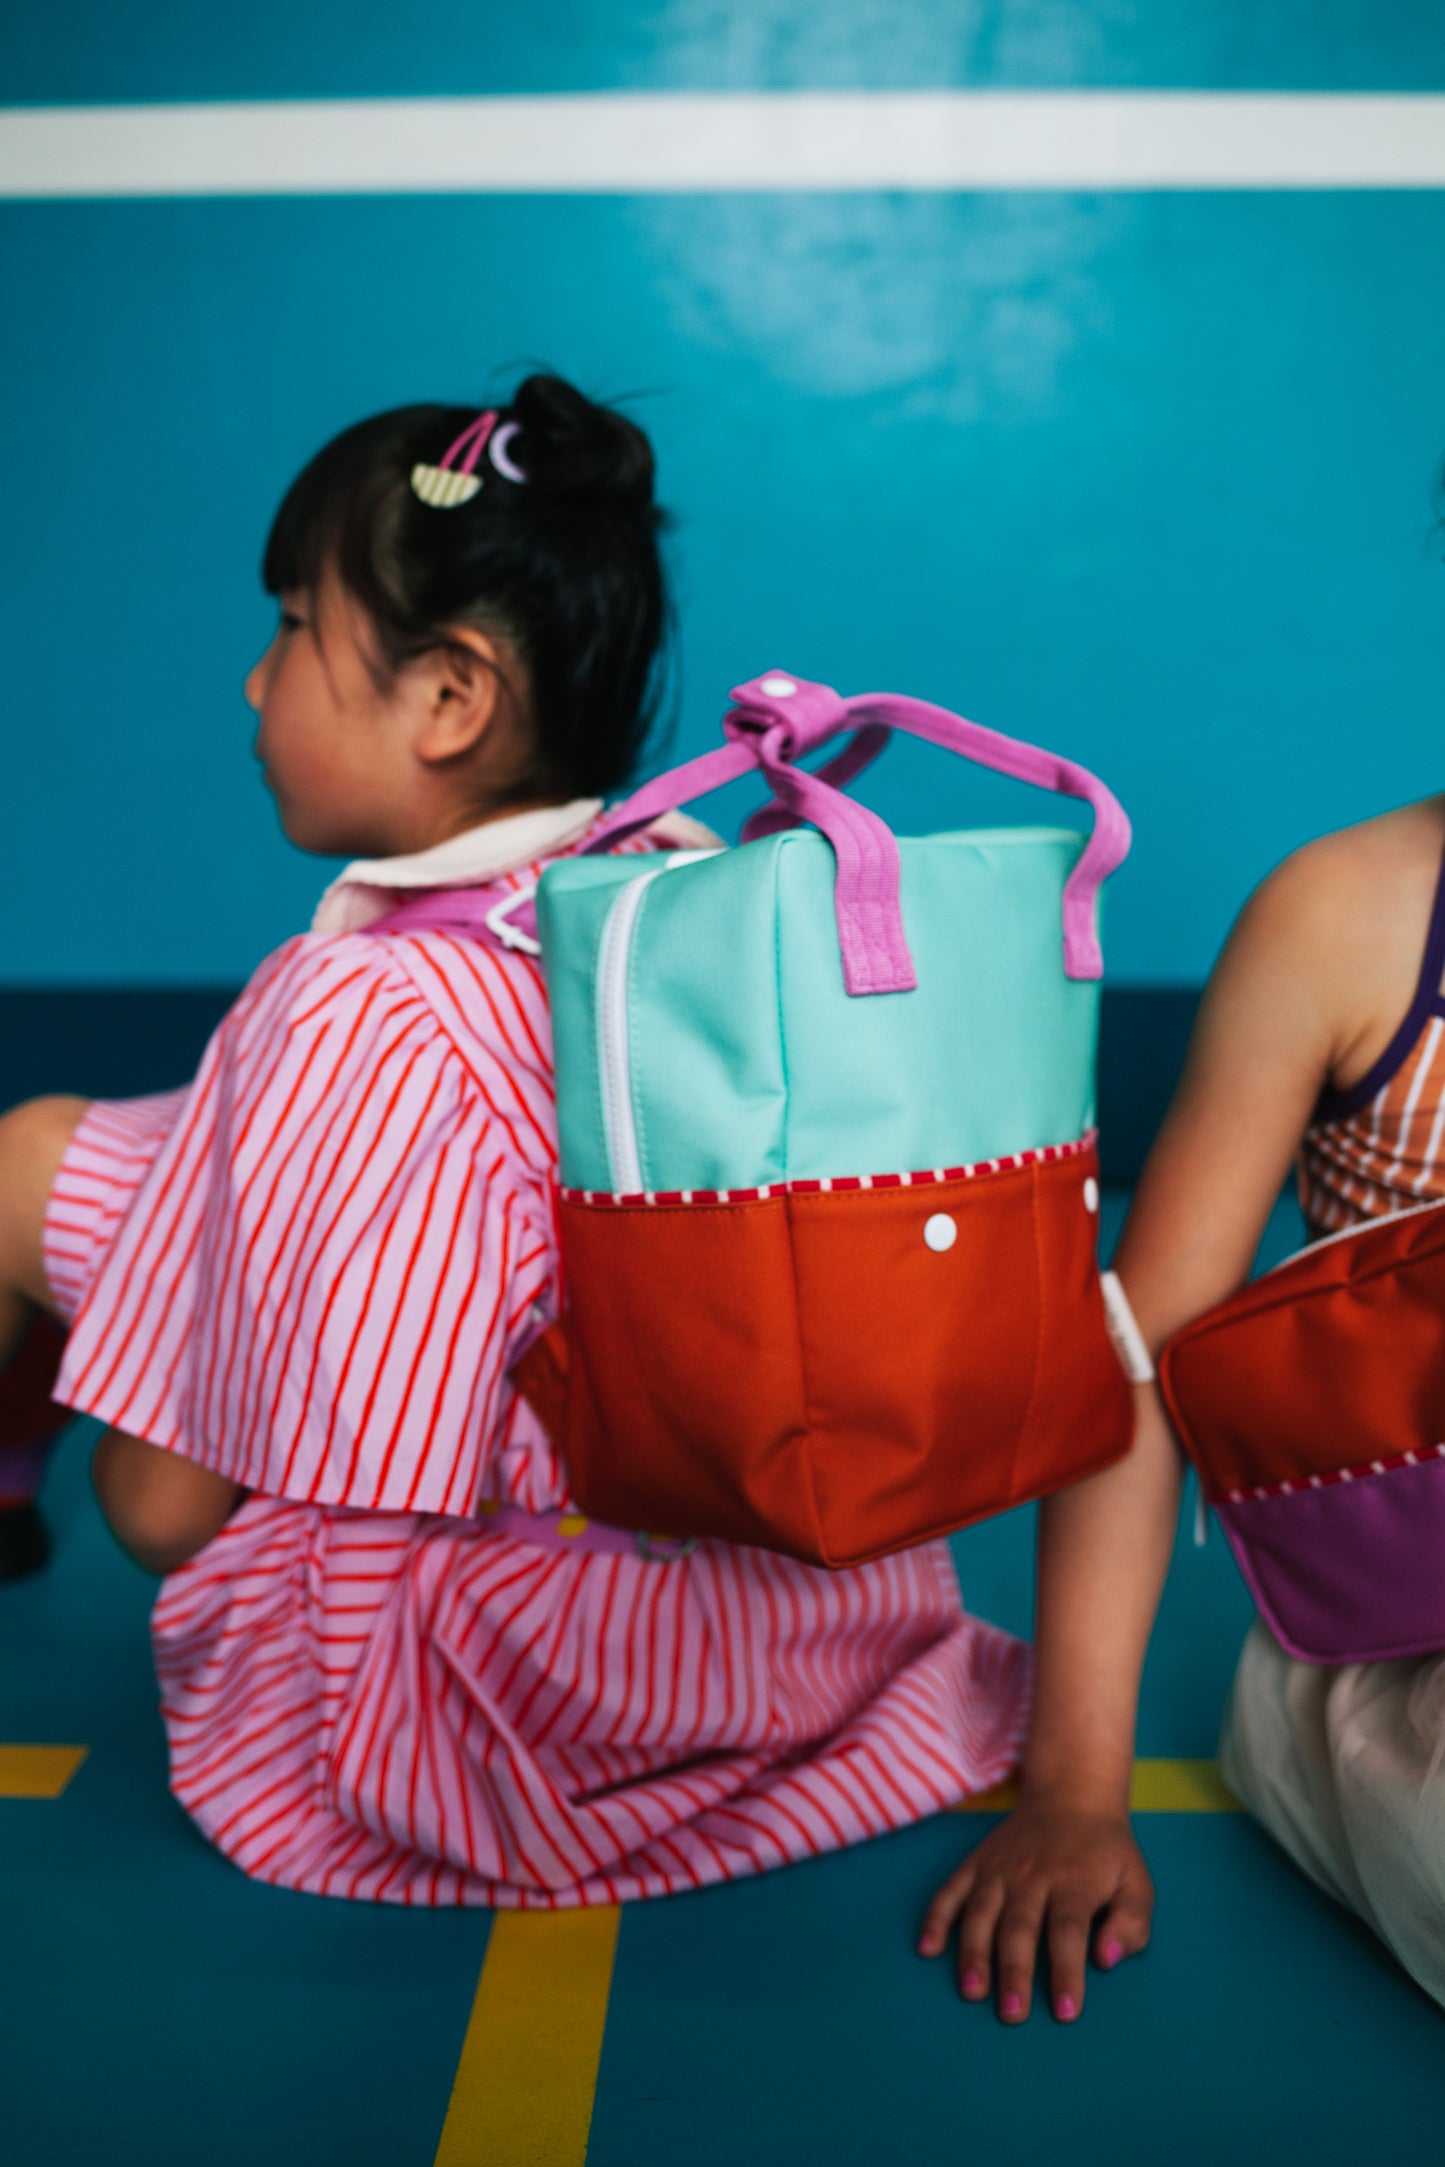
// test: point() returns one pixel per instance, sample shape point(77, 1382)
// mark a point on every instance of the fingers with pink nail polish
point(1056, 1887)
point(976, 1939)
point(1068, 1946)
point(948, 1903)
point(1124, 1928)
point(1019, 1929)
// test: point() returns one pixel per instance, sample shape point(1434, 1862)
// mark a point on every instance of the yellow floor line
point(528, 2071)
point(1157, 1787)
point(38, 1771)
point(525, 2082)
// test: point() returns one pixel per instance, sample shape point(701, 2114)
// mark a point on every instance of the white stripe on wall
point(686, 142)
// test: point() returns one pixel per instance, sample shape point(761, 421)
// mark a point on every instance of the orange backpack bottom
point(833, 1371)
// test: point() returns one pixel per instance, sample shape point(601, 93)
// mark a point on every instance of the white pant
point(1345, 1767)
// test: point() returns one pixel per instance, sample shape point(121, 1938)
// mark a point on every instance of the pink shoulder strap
point(500, 918)
point(776, 719)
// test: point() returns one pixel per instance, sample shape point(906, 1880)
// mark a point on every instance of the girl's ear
point(459, 690)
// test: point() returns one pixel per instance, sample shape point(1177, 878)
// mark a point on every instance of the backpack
point(1312, 1404)
point(828, 1179)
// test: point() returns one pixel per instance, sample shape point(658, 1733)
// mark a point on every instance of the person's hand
point(1051, 1873)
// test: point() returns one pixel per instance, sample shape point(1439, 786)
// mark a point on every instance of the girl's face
point(335, 751)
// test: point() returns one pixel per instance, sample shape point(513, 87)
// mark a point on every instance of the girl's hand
point(1052, 1872)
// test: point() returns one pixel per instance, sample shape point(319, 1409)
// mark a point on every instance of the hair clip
point(447, 485)
point(499, 455)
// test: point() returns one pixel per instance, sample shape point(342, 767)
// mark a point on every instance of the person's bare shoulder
point(1370, 886)
point(1349, 913)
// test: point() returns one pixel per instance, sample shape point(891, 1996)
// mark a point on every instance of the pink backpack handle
point(776, 719)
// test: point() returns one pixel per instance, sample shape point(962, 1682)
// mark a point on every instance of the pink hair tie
point(448, 484)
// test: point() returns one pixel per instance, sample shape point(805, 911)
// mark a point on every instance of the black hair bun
point(579, 451)
point(563, 565)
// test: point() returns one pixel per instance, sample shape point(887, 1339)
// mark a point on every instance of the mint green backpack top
point(706, 1039)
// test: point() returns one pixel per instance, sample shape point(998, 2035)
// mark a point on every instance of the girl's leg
point(1343, 1767)
point(161, 1507)
point(1275, 1756)
point(33, 1140)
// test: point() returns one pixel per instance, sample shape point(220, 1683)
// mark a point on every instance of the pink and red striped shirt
point(311, 1271)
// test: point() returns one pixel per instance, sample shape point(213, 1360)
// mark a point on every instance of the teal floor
point(156, 2008)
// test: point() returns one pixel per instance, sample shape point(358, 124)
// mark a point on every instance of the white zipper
point(614, 1043)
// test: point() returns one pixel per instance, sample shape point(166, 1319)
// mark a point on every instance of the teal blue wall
point(1148, 477)
point(78, 51)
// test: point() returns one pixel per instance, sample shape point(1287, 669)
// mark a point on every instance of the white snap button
point(777, 688)
point(940, 1232)
point(1091, 1194)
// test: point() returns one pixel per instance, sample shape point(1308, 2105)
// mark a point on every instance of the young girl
point(392, 1663)
point(1321, 1038)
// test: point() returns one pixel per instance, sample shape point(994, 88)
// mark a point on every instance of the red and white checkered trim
point(1300, 1483)
point(925, 1179)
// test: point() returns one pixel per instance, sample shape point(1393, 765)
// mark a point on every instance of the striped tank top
point(1380, 1146)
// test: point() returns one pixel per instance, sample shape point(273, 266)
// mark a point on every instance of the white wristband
point(1124, 1331)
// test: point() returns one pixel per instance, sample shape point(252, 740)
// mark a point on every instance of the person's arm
point(1064, 1866)
point(160, 1507)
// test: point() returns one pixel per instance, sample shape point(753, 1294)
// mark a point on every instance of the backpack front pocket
point(839, 1369)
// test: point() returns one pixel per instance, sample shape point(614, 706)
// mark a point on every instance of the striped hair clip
point(449, 484)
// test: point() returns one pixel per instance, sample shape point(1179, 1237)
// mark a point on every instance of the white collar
point(365, 889)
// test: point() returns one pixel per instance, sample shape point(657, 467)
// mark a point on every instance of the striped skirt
point(413, 1708)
